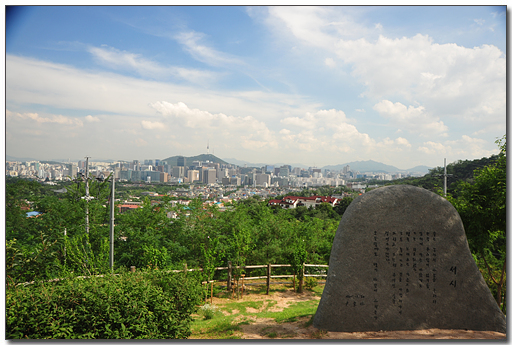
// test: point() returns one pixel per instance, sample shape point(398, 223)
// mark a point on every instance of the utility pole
point(87, 197)
point(112, 205)
point(445, 176)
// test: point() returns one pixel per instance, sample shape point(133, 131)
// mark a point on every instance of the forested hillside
point(249, 231)
point(459, 172)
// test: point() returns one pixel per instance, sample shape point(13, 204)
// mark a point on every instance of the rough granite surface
point(400, 261)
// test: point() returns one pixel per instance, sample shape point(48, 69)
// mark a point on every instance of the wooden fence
point(232, 279)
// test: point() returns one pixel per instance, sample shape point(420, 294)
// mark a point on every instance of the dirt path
point(268, 328)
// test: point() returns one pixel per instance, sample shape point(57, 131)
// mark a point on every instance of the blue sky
point(402, 85)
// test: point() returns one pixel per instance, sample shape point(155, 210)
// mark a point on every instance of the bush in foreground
point(151, 305)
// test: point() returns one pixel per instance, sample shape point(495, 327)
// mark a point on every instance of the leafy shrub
point(310, 283)
point(152, 305)
point(25, 263)
point(208, 311)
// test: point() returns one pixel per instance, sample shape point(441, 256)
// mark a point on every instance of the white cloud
point(398, 145)
point(123, 60)
point(448, 79)
point(330, 62)
point(152, 125)
point(325, 130)
point(433, 148)
point(305, 122)
point(403, 142)
point(190, 40)
point(315, 26)
point(472, 147)
point(90, 118)
point(414, 119)
point(466, 146)
point(304, 23)
point(34, 117)
point(71, 88)
point(245, 131)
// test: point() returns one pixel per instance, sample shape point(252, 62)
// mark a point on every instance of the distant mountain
point(364, 166)
point(361, 166)
point(173, 161)
point(276, 165)
point(55, 160)
point(420, 168)
point(18, 159)
point(376, 167)
point(240, 163)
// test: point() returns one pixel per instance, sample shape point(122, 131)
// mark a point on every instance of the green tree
point(482, 207)
point(341, 207)
point(297, 256)
point(139, 237)
point(239, 236)
point(211, 258)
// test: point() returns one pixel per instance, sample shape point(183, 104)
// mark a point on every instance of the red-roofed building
point(125, 207)
point(294, 201)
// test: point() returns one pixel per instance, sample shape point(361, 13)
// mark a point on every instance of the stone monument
point(400, 261)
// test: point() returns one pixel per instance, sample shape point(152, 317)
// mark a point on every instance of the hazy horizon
point(230, 160)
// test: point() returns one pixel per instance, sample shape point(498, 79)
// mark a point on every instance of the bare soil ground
point(268, 328)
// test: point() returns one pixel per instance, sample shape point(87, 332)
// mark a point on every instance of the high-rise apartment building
point(193, 175)
point(284, 172)
point(182, 161)
point(72, 170)
point(164, 177)
point(263, 180)
point(178, 171)
point(209, 176)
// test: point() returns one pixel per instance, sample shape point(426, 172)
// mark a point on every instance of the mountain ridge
point(361, 166)
point(173, 161)
point(373, 166)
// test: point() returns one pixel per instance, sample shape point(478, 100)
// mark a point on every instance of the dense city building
point(198, 172)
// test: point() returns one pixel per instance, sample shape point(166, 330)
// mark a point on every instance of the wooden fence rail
point(231, 279)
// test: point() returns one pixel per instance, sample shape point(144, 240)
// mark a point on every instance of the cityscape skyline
point(368, 165)
point(401, 85)
point(202, 170)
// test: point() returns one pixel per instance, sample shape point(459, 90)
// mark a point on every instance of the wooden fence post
point(301, 281)
point(269, 266)
point(230, 275)
point(185, 268)
point(243, 275)
point(132, 269)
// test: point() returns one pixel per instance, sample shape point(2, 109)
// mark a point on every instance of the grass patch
point(228, 326)
point(216, 328)
point(242, 306)
point(292, 312)
point(272, 335)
